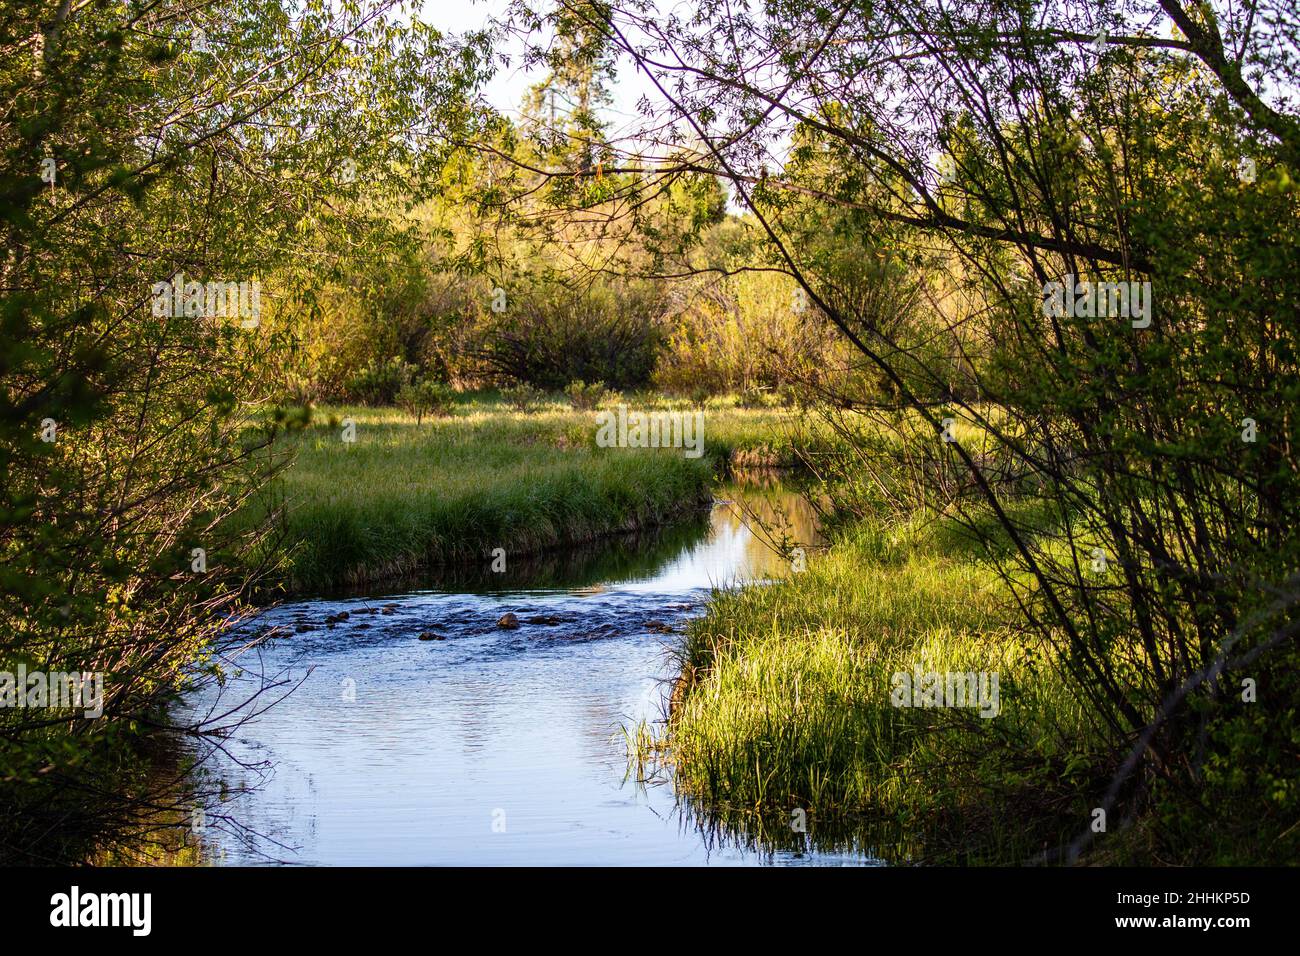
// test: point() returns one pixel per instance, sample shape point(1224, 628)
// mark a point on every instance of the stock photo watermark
point(966, 689)
point(54, 690)
point(623, 429)
point(179, 298)
point(1087, 300)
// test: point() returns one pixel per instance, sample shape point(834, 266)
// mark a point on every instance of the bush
point(585, 397)
point(426, 397)
point(523, 397)
point(552, 335)
point(744, 333)
point(378, 383)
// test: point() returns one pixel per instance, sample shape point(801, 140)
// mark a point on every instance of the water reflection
point(616, 558)
point(485, 745)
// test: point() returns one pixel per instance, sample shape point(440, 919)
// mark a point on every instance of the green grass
point(786, 703)
point(405, 497)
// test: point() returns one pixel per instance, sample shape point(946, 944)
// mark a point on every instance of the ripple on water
point(493, 746)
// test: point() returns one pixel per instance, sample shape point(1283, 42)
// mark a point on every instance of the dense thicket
point(238, 142)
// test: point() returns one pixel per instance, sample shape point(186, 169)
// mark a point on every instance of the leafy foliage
point(142, 142)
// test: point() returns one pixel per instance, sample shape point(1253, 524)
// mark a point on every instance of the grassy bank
point(404, 497)
point(786, 702)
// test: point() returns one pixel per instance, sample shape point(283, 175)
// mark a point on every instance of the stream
point(490, 746)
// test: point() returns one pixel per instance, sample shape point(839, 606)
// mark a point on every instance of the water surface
point(492, 746)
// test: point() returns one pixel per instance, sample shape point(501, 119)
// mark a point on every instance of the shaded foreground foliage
point(141, 142)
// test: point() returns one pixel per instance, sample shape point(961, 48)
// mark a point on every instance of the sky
point(506, 90)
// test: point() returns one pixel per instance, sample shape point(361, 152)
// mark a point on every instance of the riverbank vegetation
point(395, 497)
point(1065, 336)
point(134, 421)
point(1028, 320)
point(786, 703)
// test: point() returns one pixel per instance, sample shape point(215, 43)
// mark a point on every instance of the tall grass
point(786, 703)
point(405, 497)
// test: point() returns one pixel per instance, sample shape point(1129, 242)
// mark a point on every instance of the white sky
point(505, 92)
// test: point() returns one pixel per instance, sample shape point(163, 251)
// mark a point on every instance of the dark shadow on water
point(795, 836)
point(608, 560)
point(789, 837)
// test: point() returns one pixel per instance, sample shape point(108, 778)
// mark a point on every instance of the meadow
point(403, 497)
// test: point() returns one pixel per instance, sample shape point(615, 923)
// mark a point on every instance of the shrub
point(426, 397)
point(523, 397)
point(584, 397)
point(378, 383)
point(551, 335)
point(743, 333)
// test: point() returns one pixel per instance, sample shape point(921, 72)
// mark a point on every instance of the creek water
point(491, 746)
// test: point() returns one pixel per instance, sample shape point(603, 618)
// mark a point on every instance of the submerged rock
point(430, 636)
point(544, 619)
point(508, 621)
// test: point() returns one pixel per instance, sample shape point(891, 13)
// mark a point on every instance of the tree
point(154, 157)
point(1148, 147)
